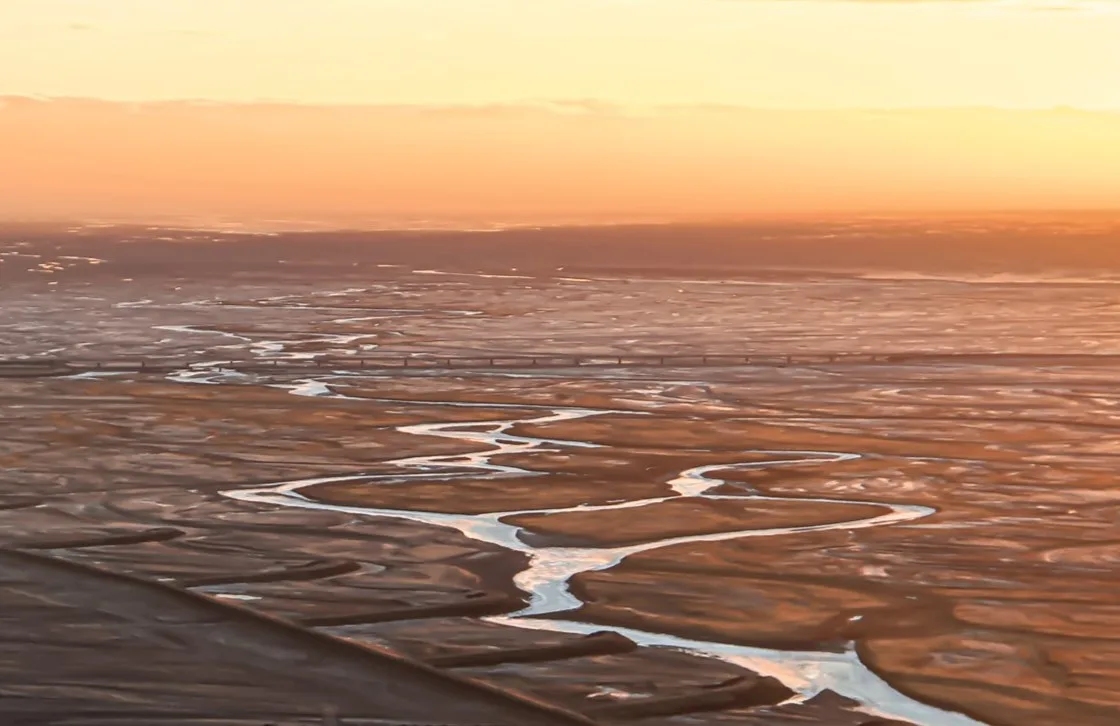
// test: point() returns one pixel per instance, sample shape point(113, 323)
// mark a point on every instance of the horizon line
point(248, 225)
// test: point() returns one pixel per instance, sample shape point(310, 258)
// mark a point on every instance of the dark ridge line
point(154, 718)
point(601, 643)
point(158, 534)
point(299, 573)
point(737, 693)
point(12, 503)
point(353, 649)
point(158, 718)
point(479, 603)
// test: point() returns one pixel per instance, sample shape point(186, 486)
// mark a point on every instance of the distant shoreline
point(996, 251)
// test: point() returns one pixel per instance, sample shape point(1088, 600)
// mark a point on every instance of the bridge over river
point(45, 366)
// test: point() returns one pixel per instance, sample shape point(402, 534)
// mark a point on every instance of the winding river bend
point(549, 571)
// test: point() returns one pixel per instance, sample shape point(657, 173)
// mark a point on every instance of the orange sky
point(430, 108)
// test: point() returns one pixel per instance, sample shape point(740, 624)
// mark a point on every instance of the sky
point(691, 90)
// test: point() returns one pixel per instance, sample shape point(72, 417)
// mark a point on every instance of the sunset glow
point(558, 107)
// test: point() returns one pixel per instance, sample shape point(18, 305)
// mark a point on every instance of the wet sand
point(677, 518)
point(121, 651)
point(950, 528)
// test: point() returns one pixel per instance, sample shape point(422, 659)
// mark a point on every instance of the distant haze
point(68, 157)
point(448, 112)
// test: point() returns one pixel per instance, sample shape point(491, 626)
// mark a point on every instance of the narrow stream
point(547, 576)
point(550, 569)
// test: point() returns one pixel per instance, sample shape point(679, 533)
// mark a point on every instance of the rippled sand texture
point(1000, 602)
point(980, 287)
point(927, 540)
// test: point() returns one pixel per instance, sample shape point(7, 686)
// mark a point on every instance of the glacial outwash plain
point(819, 473)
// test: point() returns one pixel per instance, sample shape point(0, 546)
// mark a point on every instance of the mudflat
point(931, 542)
point(94, 648)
